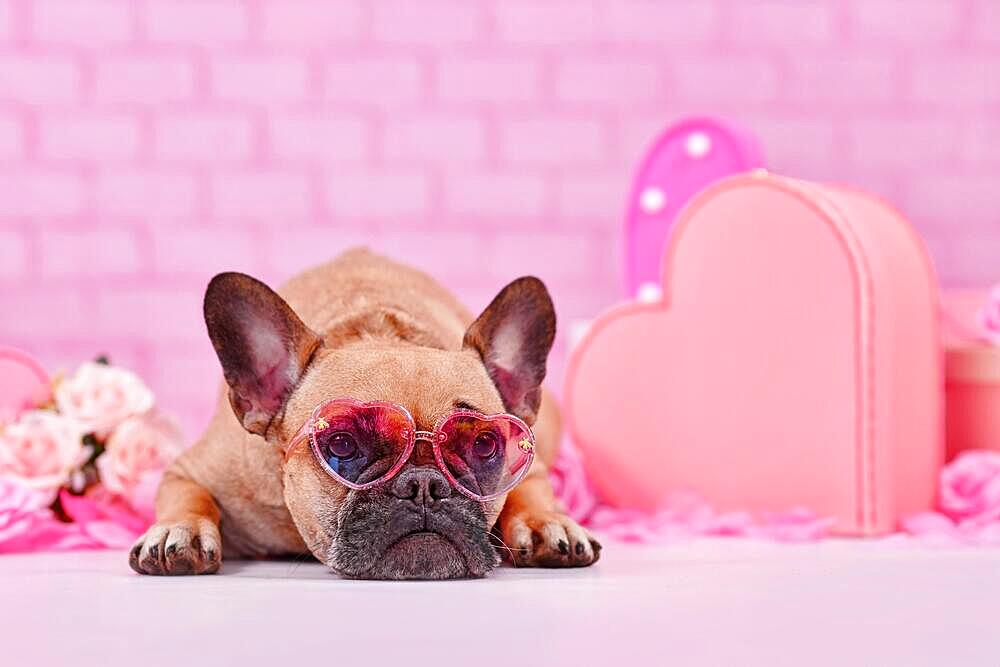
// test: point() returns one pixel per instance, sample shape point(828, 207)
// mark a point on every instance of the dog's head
point(415, 525)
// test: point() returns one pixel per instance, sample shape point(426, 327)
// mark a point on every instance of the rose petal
point(120, 512)
point(928, 523)
point(108, 520)
point(987, 534)
point(732, 524)
point(24, 526)
point(110, 534)
point(80, 509)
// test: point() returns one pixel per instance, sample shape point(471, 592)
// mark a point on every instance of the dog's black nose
point(423, 486)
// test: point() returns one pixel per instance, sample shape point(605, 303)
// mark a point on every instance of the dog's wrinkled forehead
point(427, 382)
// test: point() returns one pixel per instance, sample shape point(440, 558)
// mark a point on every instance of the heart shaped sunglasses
point(364, 444)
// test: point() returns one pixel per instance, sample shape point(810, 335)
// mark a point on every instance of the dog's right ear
point(513, 337)
point(262, 345)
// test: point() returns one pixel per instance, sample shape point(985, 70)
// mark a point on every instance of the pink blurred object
point(100, 396)
point(681, 516)
point(99, 520)
point(42, 450)
point(967, 514)
point(970, 487)
point(135, 457)
point(27, 523)
point(971, 320)
point(686, 158)
point(989, 317)
point(100, 437)
point(24, 385)
point(795, 360)
point(103, 517)
point(968, 504)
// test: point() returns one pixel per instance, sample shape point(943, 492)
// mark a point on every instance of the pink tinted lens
point(486, 456)
point(361, 444)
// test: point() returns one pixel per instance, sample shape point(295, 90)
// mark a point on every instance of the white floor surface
point(713, 602)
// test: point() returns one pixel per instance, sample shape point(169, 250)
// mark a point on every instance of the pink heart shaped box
point(794, 360)
point(23, 382)
point(689, 156)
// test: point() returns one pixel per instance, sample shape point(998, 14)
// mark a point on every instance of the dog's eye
point(485, 445)
point(341, 445)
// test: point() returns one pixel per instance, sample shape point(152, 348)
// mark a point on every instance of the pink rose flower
point(100, 397)
point(970, 487)
point(135, 456)
point(40, 450)
point(989, 317)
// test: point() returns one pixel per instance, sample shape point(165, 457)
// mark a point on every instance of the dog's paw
point(185, 547)
point(549, 539)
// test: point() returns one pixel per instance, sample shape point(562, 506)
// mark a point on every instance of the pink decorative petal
point(80, 509)
point(108, 519)
point(683, 516)
point(987, 534)
point(929, 523)
point(733, 524)
point(110, 534)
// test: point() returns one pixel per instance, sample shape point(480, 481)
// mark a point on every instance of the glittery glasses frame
point(316, 424)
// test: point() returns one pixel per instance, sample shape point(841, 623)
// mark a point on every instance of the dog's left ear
point(262, 344)
point(513, 337)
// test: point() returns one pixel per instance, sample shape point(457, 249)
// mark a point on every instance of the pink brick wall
point(147, 144)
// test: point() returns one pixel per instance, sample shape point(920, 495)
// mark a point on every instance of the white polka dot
point(652, 199)
point(697, 145)
point(649, 293)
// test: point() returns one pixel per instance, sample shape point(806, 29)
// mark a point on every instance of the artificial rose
point(100, 397)
point(989, 317)
point(135, 456)
point(970, 487)
point(41, 450)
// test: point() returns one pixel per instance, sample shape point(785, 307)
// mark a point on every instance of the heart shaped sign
point(686, 158)
point(794, 360)
point(23, 382)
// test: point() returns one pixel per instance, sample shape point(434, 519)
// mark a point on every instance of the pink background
point(148, 144)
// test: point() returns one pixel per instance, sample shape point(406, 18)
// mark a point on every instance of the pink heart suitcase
point(687, 157)
point(794, 360)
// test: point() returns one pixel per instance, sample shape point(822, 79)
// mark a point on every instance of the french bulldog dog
point(370, 329)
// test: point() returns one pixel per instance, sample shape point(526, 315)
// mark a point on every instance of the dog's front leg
point(185, 539)
point(538, 533)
